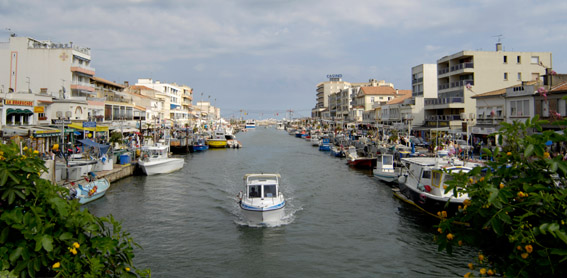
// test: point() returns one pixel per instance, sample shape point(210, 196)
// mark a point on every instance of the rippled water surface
point(340, 222)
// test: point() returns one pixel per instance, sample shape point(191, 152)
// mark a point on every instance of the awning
point(18, 111)
point(91, 143)
point(79, 126)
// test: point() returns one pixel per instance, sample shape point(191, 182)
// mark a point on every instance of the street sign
point(89, 124)
point(58, 122)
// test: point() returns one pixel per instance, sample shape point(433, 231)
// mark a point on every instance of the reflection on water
point(339, 221)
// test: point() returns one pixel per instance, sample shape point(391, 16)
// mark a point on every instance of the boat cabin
point(262, 185)
point(386, 163)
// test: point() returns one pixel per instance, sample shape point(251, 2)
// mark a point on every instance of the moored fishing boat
point(94, 189)
point(261, 201)
point(385, 170)
point(200, 144)
point(324, 144)
point(155, 160)
point(355, 160)
point(218, 140)
point(250, 124)
point(423, 183)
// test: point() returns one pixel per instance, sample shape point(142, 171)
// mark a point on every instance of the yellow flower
point(460, 243)
point(467, 275)
point(482, 271)
point(481, 179)
point(467, 202)
point(529, 248)
point(521, 194)
point(501, 185)
point(450, 236)
point(72, 250)
point(25, 148)
point(519, 248)
point(525, 255)
point(471, 266)
point(440, 230)
point(490, 272)
point(546, 155)
point(127, 269)
point(481, 257)
point(471, 180)
point(35, 152)
point(444, 214)
point(57, 265)
point(508, 153)
point(76, 245)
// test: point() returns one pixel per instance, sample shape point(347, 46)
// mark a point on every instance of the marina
point(338, 220)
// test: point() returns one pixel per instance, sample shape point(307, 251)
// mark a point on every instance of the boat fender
point(428, 188)
point(422, 198)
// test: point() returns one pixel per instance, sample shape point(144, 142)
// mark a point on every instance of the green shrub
point(517, 207)
point(44, 234)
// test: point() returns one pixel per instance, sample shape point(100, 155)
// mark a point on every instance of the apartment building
point(467, 73)
point(424, 86)
point(324, 90)
point(63, 70)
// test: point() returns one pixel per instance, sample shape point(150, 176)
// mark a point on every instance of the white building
point(424, 85)
point(59, 69)
point(467, 73)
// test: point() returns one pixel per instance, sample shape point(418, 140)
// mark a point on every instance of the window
point(270, 190)
point(519, 59)
point(519, 76)
point(426, 175)
point(371, 99)
point(505, 59)
point(519, 108)
point(545, 108)
point(562, 107)
point(505, 76)
point(254, 191)
point(535, 59)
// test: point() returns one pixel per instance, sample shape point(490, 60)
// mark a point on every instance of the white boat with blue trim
point(261, 201)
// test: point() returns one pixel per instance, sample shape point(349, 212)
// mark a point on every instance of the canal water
point(340, 222)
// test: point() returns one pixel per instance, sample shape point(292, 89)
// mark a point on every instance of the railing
point(449, 100)
point(460, 83)
point(461, 66)
point(419, 80)
point(444, 118)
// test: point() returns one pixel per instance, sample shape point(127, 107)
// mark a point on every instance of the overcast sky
point(266, 57)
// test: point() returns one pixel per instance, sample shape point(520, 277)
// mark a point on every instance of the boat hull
point(256, 215)
point(161, 166)
point(364, 163)
point(217, 143)
point(83, 195)
point(200, 148)
point(428, 203)
point(388, 177)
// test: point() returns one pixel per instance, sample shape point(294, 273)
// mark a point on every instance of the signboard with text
point(89, 124)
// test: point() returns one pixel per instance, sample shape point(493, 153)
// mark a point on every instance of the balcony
point(449, 100)
point(82, 86)
point(419, 80)
point(456, 84)
point(76, 67)
point(462, 66)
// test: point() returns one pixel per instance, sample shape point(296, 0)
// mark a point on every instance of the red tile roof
point(380, 90)
point(560, 87)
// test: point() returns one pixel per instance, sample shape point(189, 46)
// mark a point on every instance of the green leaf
point(47, 243)
point(529, 150)
point(65, 236)
point(4, 234)
point(60, 206)
point(3, 176)
point(16, 254)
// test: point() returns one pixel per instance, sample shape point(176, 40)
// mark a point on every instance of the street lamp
point(408, 118)
point(469, 120)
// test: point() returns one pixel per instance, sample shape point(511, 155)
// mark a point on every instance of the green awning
point(18, 111)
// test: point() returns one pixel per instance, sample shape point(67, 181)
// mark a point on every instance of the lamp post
point(469, 121)
point(408, 118)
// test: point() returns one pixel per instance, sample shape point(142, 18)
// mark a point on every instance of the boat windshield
point(254, 191)
point(270, 190)
point(387, 160)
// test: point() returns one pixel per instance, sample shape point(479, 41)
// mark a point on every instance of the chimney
point(498, 46)
point(126, 83)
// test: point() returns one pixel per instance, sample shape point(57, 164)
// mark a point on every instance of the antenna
point(500, 37)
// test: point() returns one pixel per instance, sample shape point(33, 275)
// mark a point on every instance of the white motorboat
point(261, 201)
point(315, 139)
point(280, 126)
point(385, 170)
point(93, 190)
point(250, 124)
point(423, 182)
point(155, 160)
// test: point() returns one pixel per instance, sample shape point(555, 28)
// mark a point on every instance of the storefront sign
point(46, 133)
point(89, 124)
point(39, 109)
point(18, 102)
